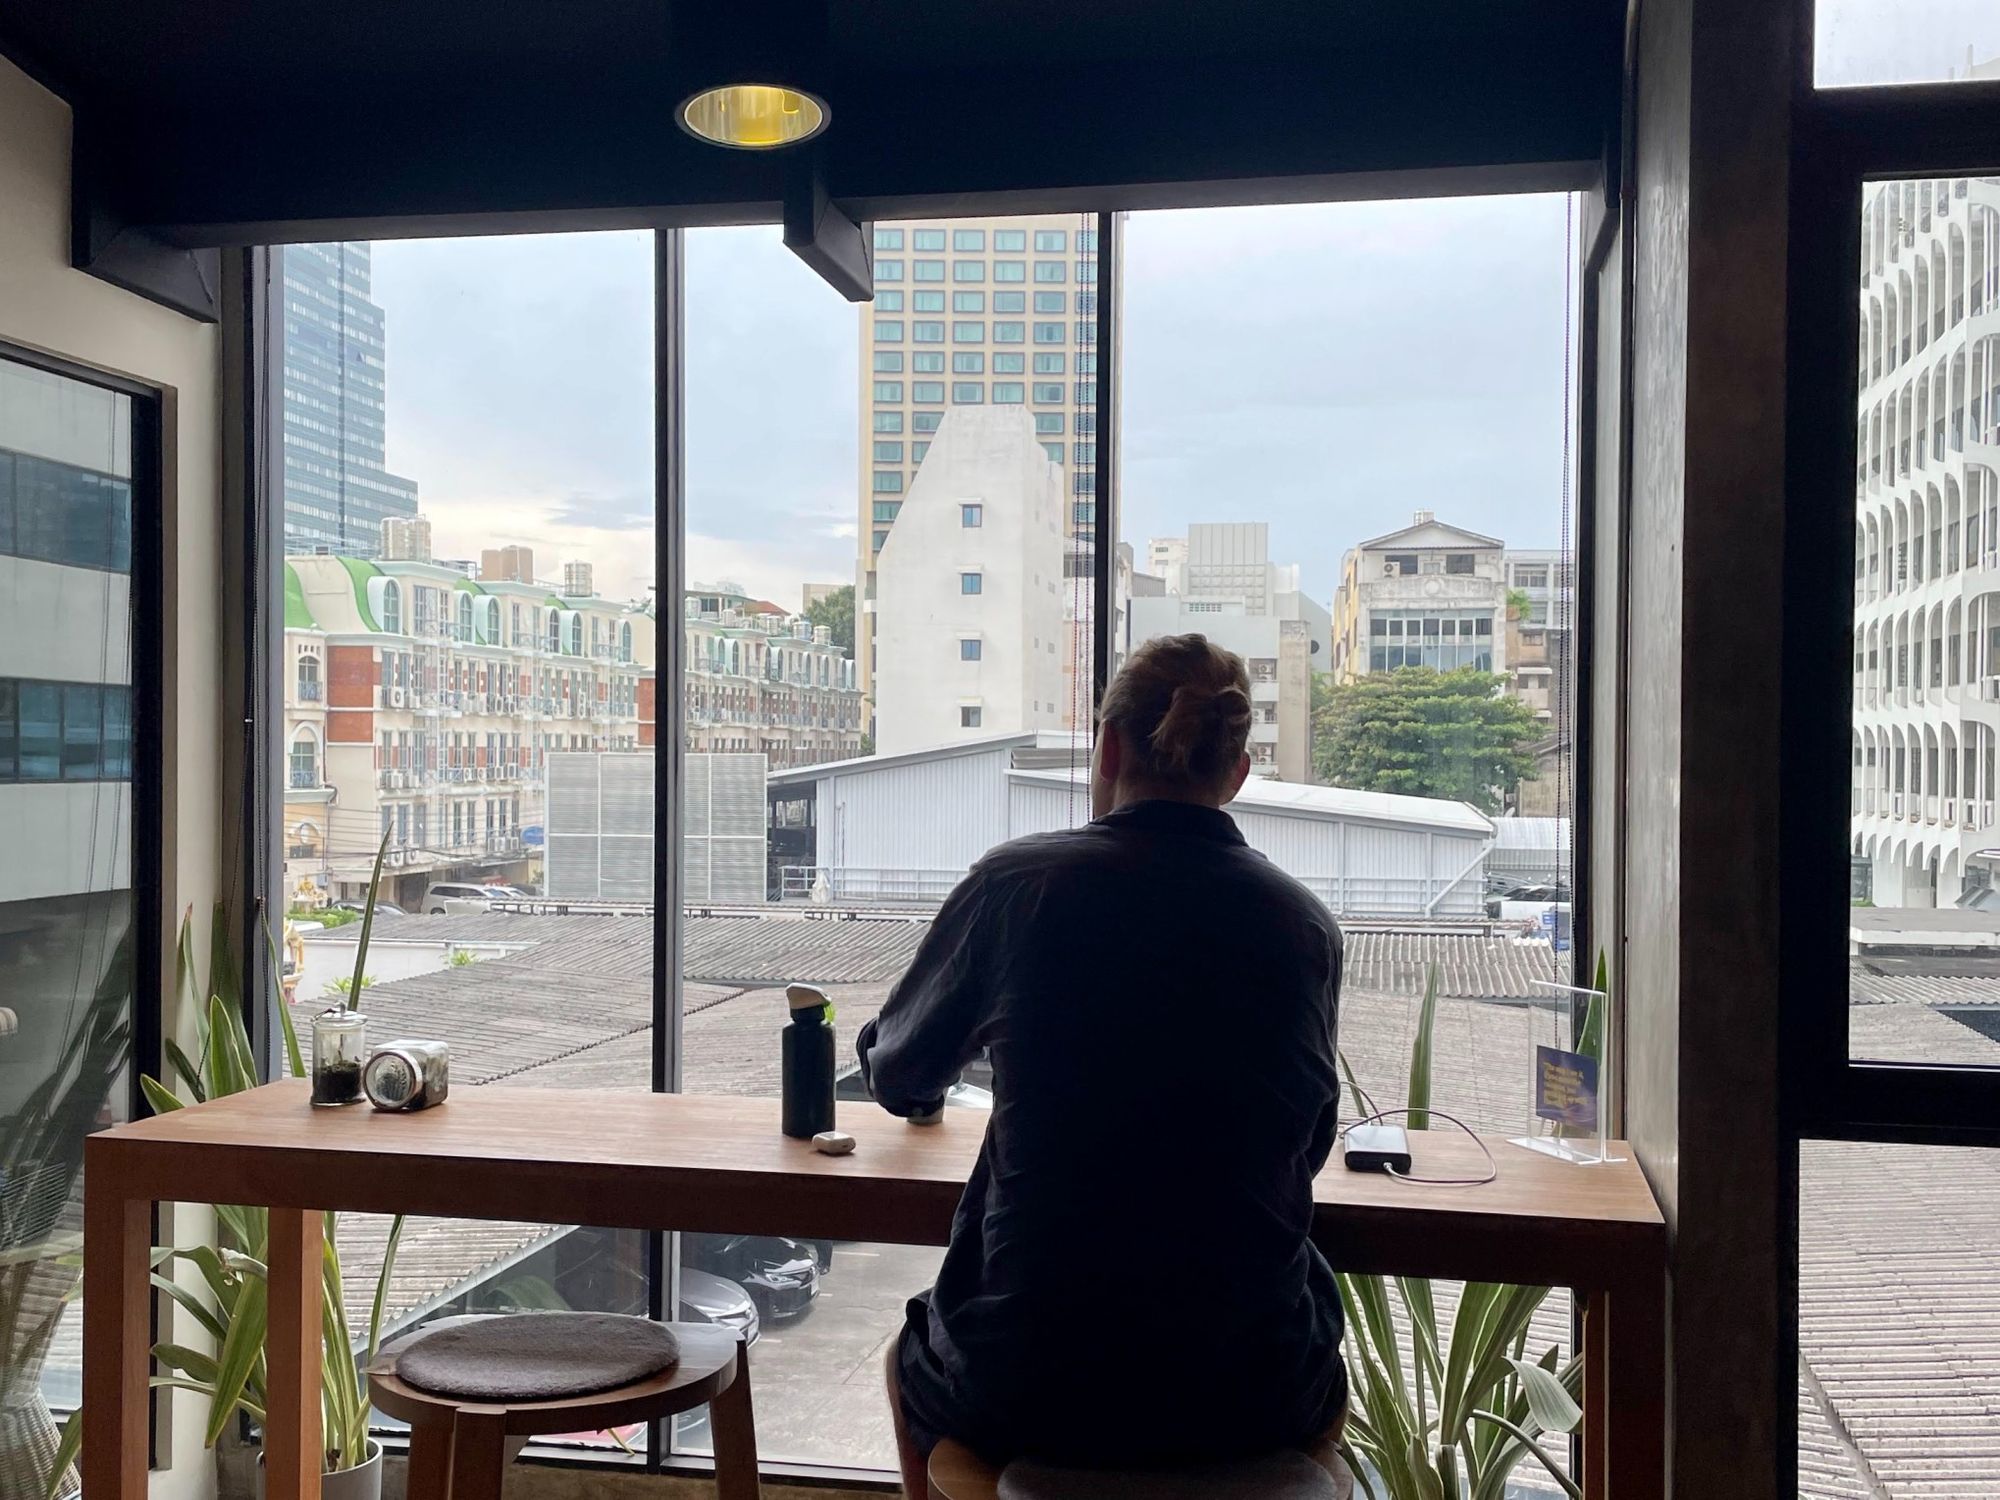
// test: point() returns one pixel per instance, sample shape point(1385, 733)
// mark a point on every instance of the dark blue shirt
point(1129, 1276)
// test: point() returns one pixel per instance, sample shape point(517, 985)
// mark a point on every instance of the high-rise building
point(1927, 543)
point(337, 492)
point(972, 624)
point(66, 619)
point(510, 564)
point(972, 313)
point(406, 539)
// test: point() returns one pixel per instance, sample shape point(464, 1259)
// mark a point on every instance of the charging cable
point(1492, 1166)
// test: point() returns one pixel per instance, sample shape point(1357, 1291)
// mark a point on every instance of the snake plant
point(1447, 1408)
point(231, 1302)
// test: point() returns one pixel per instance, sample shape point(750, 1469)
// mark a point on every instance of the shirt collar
point(1160, 815)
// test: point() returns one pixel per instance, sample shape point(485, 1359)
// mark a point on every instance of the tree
point(1424, 733)
point(836, 612)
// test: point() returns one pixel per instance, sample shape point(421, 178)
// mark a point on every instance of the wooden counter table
point(687, 1162)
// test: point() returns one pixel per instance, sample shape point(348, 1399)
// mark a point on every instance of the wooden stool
point(458, 1449)
point(957, 1473)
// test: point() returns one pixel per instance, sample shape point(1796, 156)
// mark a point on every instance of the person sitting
point(1129, 1280)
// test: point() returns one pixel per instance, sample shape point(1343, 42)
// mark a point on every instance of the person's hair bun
point(1183, 706)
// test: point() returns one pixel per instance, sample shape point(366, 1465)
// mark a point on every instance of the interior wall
point(48, 306)
point(1700, 673)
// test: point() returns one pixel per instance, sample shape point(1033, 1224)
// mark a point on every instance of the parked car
point(457, 900)
point(708, 1298)
point(384, 911)
point(1511, 894)
point(781, 1275)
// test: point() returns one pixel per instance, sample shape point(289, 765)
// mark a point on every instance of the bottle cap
point(805, 997)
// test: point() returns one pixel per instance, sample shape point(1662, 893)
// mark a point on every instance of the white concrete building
point(1927, 541)
point(969, 596)
point(1166, 560)
point(1429, 594)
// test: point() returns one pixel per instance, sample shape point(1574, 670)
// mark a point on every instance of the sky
point(1327, 368)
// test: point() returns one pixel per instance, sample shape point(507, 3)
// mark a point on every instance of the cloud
point(1327, 368)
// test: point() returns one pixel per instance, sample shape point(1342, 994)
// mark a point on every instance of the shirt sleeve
point(929, 1029)
point(1327, 1128)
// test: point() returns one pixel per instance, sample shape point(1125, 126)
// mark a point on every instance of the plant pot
point(363, 1482)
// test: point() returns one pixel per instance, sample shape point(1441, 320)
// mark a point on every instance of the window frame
point(1847, 139)
point(150, 635)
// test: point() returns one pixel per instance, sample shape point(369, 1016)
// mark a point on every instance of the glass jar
point(339, 1043)
point(407, 1075)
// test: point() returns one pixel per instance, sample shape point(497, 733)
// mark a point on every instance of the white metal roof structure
point(903, 829)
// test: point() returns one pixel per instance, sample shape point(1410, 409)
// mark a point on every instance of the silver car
point(457, 900)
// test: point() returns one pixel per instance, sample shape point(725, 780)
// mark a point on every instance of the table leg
point(294, 1447)
point(1626, 1352)
point(429, 1474)
point(734, 1426)
point(478, 1453)
point(117, 1341)
point(1596, 1394)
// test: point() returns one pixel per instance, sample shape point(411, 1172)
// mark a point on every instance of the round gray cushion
point(537, 1356)
point(1274, 1476)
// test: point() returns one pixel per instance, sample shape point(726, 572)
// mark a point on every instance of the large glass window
point(1433, 689)
point(71, 457)
point(1922, 822)
point(1904, 41)
point(488, 415)
point(886, 587)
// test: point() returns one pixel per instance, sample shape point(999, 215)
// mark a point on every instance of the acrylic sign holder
point(1573, 1019)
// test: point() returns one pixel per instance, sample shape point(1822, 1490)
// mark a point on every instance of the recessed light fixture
point(754, 116)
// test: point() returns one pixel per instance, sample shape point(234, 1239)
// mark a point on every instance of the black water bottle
point(808, 1063)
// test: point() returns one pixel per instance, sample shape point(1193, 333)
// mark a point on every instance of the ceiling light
point(754, 116)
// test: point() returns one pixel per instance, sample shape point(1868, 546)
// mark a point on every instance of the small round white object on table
point(833, 1143)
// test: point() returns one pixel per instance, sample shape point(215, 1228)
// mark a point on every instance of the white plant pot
point(363, 1482)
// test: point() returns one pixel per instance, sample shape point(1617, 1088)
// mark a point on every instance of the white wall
point(937, 813)
point(46, 305)
point(985, 456)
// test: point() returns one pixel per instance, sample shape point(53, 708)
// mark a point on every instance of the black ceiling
point(226, 121)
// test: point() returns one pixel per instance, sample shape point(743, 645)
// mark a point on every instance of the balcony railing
point(304, 778)
point(311, 692)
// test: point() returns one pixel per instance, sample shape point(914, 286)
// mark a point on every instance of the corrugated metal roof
point(1531, 833)
point(805, 775)
point(1332, 802)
